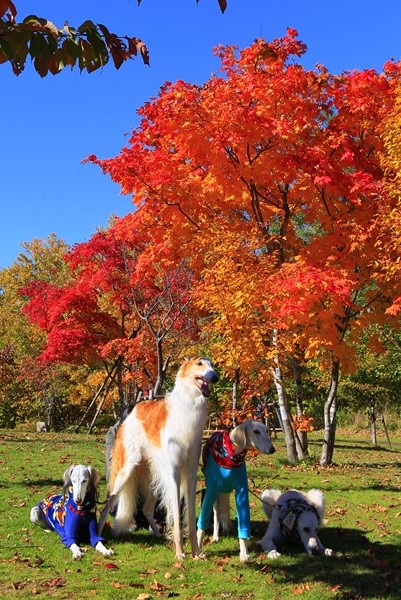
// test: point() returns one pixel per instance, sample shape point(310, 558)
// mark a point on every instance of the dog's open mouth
point(203, 386)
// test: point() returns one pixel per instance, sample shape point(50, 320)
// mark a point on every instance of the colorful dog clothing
point(225, 471)
point(73, 522)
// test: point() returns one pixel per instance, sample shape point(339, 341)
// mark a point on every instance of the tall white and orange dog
point(159, 443)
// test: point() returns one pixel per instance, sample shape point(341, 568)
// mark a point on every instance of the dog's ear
point(94, 476)
point(317, 499)
point(238, 437)
point(67, 474)
point(67, 480)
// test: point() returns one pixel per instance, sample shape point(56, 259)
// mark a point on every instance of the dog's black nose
point(214, 378)
point(272, 450)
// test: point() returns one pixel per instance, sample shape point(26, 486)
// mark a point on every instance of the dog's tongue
point(204, 387)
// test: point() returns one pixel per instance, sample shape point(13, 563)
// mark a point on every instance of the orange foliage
point(267, 180)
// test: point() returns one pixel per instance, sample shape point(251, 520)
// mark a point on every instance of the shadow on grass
point(358, 568)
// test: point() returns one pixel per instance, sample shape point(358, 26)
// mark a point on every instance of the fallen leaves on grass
point(56, 582)
point(110, 566)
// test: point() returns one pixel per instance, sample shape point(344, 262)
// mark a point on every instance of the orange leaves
point(303, 423)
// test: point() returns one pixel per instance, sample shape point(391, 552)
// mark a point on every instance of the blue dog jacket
point(225, 472)
point(71, 521)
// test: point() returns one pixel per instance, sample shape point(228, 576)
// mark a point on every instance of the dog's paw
point(273, 554)
point(76, 551)
point(328, 552)
point(244, 558)
point(100, 547)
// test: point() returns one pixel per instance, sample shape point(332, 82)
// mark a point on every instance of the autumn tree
point(114, 314)
point(267, 179)
point(30, 389)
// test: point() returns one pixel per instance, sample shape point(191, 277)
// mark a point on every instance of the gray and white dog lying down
point(293, 516)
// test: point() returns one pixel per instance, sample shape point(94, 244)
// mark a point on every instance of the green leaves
point(90, 46)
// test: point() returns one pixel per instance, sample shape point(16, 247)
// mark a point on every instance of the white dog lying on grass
point(293, 516)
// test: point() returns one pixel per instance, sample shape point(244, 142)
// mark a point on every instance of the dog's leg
point(223, 513)
point(100, 547)
point(37, 518)
point(243, 550)
point(268, 541)
point(148, 510)
point(191, 499)
point(208, 503)
point(176, 515)
point(76, 551)
point(216, 521)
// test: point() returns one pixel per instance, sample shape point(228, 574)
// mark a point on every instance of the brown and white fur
point(293, 515)
point(84, 480)
point(249, 434)
point(159, 443)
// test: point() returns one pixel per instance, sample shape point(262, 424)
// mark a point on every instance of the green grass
point(363, 495)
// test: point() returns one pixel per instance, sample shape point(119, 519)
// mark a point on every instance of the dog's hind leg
point(222, 512)
point(148, 510)
point(37, 518)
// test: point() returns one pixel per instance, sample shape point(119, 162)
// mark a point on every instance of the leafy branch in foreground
point(90, 46)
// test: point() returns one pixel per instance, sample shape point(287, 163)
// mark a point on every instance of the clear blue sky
point(48, 126)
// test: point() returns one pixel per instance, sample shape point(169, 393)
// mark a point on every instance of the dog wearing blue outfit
point(72, 514)
point(225, 471)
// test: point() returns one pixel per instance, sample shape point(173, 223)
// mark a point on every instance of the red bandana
point(223, 451)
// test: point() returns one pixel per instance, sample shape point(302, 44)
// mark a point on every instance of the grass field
point(363, 495)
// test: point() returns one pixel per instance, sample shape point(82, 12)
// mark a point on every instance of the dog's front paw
point(76, 552)
point(273, 554)
point(328, 552)
point(100, 547)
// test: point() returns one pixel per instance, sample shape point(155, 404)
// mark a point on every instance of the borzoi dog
point(225, 471)
point(293, 516)
point(73, 513)
point(160, 443)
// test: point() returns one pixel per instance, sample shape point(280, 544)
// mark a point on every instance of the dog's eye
point(256, 432)
point(200, 364)
point(307, 529)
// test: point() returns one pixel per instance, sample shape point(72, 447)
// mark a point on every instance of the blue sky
point(48, 126)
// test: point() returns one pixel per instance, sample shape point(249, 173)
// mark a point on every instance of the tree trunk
point(235, 397)
point(285, 415)
point(330, 413)
point(373, 427)
point(161, 369)
point(299, 396)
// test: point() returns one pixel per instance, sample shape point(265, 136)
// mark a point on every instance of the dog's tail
point(269, 499)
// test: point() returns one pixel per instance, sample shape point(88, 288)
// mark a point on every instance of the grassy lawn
point(363, 498)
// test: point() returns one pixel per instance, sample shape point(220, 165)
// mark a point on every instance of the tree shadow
point(357, 569)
